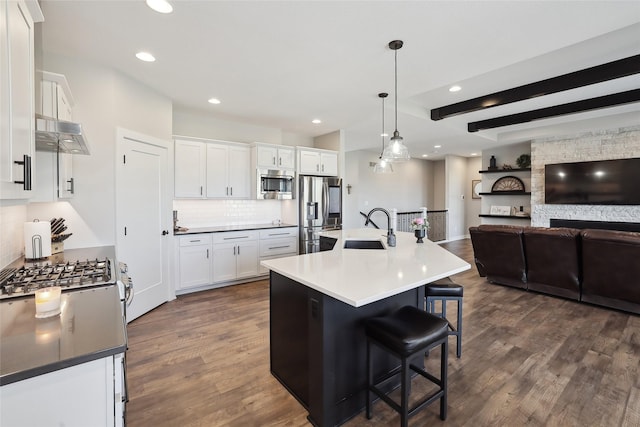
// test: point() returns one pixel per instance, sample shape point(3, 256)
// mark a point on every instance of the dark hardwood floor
point(527, 360)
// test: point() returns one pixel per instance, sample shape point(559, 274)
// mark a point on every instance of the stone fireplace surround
point(608, 144)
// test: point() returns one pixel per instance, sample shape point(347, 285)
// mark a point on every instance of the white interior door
point(142, 218)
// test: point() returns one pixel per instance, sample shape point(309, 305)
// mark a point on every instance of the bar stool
point(407, 333)
point(443, 291)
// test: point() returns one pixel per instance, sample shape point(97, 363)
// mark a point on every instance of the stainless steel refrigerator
point(320, 208)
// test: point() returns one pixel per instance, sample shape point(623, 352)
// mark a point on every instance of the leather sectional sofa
point(596, 266)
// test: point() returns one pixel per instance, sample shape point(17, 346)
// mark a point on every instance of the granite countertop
point(89, 327)
point(223, 228)
point(361, 276)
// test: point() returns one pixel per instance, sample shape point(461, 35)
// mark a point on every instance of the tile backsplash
point(12, 219)
point(212, 213)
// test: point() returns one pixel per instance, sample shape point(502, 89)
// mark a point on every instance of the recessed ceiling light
point(214, 101)
point(437, 146)
point(474, 154)
point(454, 88)
point(161, 6)
point(316, 121)
point(384, 134)
point(145, 56)
point(425, 155)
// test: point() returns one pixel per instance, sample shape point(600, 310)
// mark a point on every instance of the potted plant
point(524, 161)
point(420, 226)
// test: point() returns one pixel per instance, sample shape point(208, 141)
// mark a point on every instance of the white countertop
point(361, 276)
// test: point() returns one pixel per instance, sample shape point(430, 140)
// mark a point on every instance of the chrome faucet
point(391, 238)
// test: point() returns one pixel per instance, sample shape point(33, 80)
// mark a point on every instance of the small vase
point(420, 235)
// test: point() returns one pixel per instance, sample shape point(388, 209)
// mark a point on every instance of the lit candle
point(48, 301)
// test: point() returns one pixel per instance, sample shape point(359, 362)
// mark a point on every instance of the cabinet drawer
point(235, 236)
point(195, 239)
point(278, 233)
point(272, 247)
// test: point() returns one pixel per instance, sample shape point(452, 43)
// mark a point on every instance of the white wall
point(201, 125)
point(439, 186)
point(598, 145)
point(406, 189)
point(105, 99)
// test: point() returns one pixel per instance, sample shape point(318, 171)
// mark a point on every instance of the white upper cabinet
point(212, 169)
point(317, 162)
point(16, 100)
point(274, 156)
point(228, 171)
point(54, 178)
point(190, 169)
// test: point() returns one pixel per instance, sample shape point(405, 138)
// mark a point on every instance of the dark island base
point(318, 348)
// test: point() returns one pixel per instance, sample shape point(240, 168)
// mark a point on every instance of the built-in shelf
point(507, 193)
point(504, 216)
point(505, 170)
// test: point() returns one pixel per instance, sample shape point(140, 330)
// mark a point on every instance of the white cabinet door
point(309, 162)
point(66, 182)
point(266, 156)
point(238, 173)
point(190, 169)
point(217, 171)
point(81, 395)
point(228, 171)
point(286, 158)
point(195, 266)
point(329, 163)
point(246, 259)
point(16, 101)
point(224, 262)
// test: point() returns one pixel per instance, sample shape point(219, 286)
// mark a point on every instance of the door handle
point(26, 173)
point(165, 232)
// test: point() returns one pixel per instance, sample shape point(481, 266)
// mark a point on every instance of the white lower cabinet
point(277, 243)
point(235, 255)
point(196, 266)
point(88, 394)
point(208, 259)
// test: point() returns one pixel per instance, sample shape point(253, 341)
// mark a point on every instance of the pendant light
point(396, 151)
point(382, 166)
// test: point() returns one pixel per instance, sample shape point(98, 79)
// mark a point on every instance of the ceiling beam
point(557, 110)
point(600, 73)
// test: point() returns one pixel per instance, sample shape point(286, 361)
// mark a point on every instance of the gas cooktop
point(18, 282)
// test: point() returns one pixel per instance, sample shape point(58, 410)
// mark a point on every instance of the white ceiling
point(283, 63)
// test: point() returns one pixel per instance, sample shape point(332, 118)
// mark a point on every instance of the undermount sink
point(363, 244)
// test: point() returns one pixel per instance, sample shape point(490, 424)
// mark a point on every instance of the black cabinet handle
point(26, 180)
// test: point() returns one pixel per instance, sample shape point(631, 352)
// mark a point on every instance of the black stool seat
point(407, 334)
point(444, 290)
point(407, 330)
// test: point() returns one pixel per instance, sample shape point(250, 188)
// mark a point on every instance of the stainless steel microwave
point(275, 184)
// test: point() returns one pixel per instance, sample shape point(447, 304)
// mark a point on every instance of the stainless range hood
point(59, 136)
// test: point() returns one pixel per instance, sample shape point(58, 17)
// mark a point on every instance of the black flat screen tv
point(605, 182)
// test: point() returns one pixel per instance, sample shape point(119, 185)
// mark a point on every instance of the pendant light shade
point(396, 151)
point(382, 166)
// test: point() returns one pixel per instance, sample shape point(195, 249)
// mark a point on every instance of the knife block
point(57, 247)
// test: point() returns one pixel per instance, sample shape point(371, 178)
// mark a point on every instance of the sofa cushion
point(553, 260)
point(611, 269)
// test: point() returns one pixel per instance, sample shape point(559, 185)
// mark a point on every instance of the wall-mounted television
point(605, 182)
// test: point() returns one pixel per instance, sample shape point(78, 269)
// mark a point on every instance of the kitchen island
point(318, 304)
